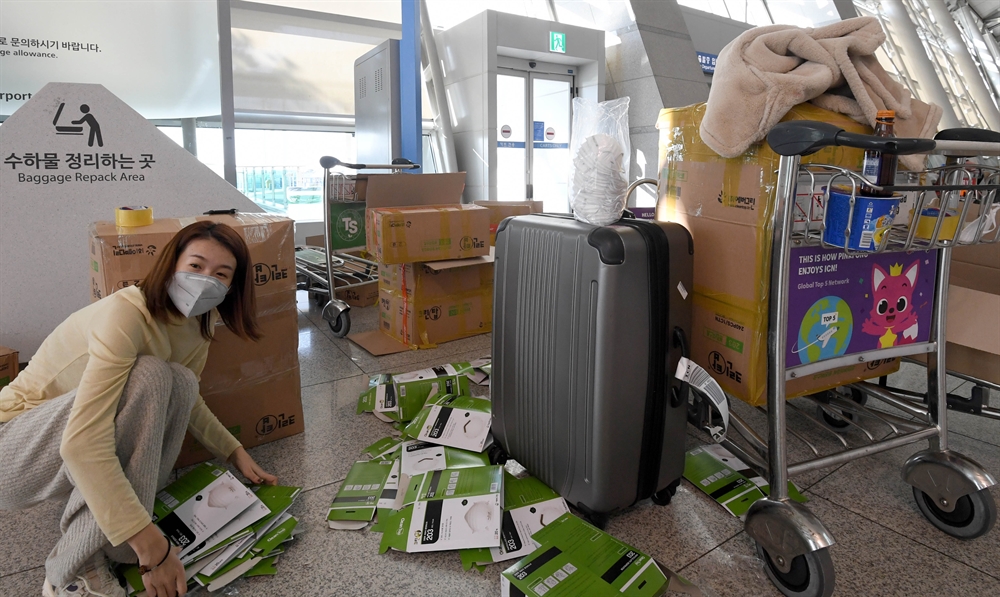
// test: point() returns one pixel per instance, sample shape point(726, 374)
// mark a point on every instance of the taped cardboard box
point(437, 279)
point(423, 323)
point(235, 362)
point(121, 257)
point(428, 233)
point(8, 365)
point(731, 344)
point(256, 413)
point(728, 206)
point(501, 210)
point(433, 234)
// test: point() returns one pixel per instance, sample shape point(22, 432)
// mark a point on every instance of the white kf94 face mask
point(196, 294)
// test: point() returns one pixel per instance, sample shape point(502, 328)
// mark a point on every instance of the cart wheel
point(839, 424)
point(811, 574)
point(973, 516)
point(663, 497)
point(342, 325)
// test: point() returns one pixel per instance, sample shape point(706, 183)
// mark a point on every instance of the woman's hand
point(167, 579)
point(250, 469)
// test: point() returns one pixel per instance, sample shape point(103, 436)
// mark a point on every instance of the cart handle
point(803, 137)
point(397, 164)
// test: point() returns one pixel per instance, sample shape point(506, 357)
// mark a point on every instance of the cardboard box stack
point(728, 205)
point(253, 388)
point(8, 365)
point(501, 210)
point(973, 326)
point(224, 530)
point(436, 278)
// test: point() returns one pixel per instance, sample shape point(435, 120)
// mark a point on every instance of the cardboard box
point(428, 233)
point(255, 413)
point(8, 365)
point(425, 323)
point(363, 295)
point(243, 382)
point(421, 190)
point(973, 327)
point(728, 206)
point(501, 210)
point(121, 257)
point(731, 344)
point(235, 362)
point(437, 279)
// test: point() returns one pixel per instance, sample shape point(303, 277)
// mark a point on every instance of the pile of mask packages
point(224, 529)
point(430, 486)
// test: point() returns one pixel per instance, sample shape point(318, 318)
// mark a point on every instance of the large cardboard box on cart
point(728, 206)
point(973, 327)
point(253, 388)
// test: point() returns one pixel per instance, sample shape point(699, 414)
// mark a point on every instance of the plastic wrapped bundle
point(600, 160)
point(599, 180)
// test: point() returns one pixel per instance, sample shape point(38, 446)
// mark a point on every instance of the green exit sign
point(557, 42)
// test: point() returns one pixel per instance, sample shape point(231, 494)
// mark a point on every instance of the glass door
point(512, 135)
point(548, 170)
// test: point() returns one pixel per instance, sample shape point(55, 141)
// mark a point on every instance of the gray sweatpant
point(152, 417)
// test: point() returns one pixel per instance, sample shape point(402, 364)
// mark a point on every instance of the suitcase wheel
point(496, 454)
point(598, 519)
point(663, 497)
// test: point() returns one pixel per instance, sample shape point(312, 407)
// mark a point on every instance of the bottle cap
point(886, 114)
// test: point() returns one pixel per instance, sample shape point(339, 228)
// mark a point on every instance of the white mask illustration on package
point(479, 516)
point(221, 496)
point(196, 294)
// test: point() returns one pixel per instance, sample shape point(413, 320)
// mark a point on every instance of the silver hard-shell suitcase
point(588, 326)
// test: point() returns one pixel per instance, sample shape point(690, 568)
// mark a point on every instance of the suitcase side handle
point(679, 395)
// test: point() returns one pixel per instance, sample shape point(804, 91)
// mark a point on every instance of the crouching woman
point(98, 415)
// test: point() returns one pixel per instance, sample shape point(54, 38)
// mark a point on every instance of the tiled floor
point(884, 545)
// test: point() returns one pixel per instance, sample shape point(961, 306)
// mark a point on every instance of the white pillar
point(974, 83)
point(918, 64)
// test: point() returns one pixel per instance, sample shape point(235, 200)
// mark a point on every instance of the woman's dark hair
point(238, 310)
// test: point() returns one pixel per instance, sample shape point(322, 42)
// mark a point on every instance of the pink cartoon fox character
point(893, 318)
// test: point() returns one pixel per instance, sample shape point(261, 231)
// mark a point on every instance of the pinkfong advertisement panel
point(842, 304)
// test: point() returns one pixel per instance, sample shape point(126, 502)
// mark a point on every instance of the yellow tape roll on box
point(134, 215)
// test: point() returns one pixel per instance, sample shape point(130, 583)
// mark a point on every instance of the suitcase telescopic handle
point(679, 396)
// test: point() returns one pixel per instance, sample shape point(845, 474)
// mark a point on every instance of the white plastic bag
point(600, 152)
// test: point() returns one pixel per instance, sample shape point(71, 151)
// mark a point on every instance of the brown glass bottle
point(880, 168)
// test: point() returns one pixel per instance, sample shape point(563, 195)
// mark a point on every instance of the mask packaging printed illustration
point(455, 421)
point(453, 509)
point(358, 497)
point(573, 558)
point(529, 505)
point(198, 504)
point(727, 480)
point(384, 449)
point(400, 397)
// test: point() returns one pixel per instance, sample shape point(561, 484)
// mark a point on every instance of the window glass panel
point(279, 170)
point(378, 10)
point(292, 73)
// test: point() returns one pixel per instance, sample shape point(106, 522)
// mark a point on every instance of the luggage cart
point(950, 489)
point(348, 271)
point(320, 277)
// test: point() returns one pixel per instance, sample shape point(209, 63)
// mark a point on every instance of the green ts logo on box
point(347, 225)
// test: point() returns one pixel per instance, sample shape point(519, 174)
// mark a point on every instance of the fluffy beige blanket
point(765, 71)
